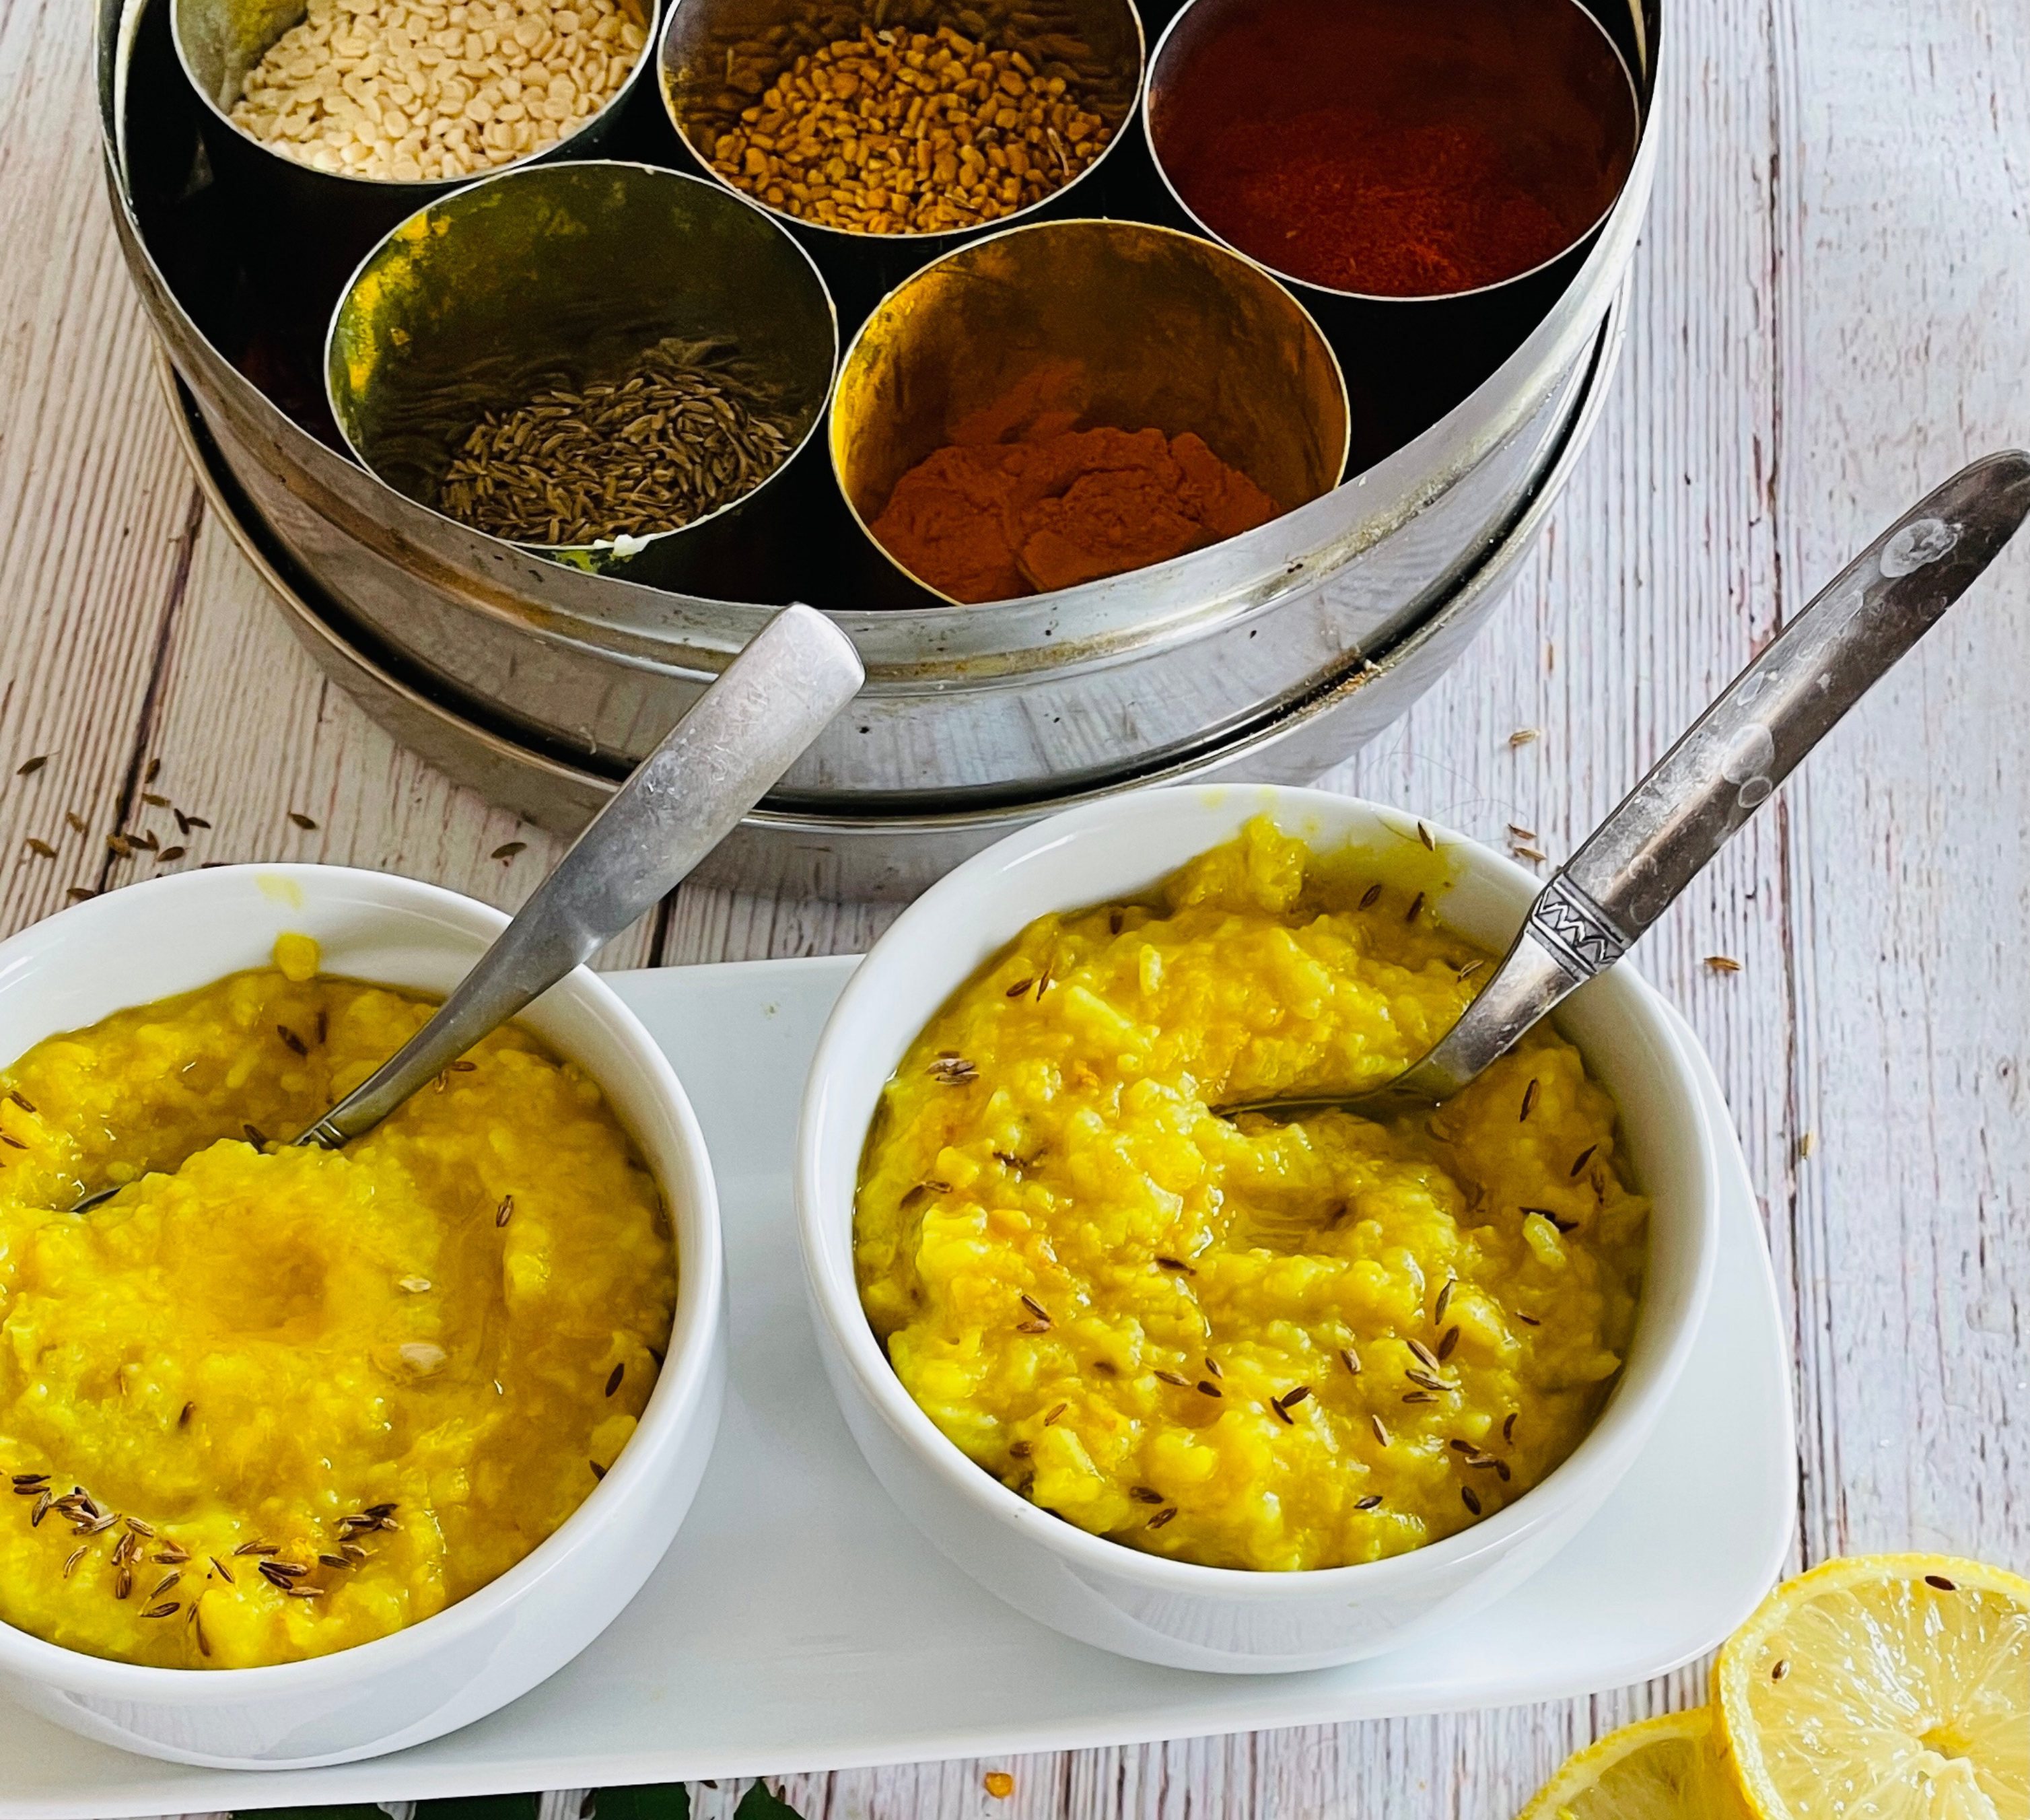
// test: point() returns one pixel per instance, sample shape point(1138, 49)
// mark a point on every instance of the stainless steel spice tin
point(968, 711)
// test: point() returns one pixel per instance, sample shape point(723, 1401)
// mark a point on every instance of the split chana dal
point(268, 1402)
point(1246, 1346)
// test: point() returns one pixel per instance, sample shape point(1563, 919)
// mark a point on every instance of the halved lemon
point(1669, 1768)
point(1882, 1687)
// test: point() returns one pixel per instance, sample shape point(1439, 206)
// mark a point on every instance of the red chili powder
point(993, 521)
point(1343, 198)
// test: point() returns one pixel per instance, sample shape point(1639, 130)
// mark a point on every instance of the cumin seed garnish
point(1425, 1381)
point(28, 767)
point(1780, 1668)
point(1445, 1346)
point(168, 1610)
point(1723, 964)
point(163, 1585)
point(95, 1525)
point(1470, 1499)
point(323, 1023)
point(598, 1471)
point(508, 850)
point(1021, 986)
point(197, 821)
point(123, 1582)
point(1527, 1319)
point(78, 1554)
point(1032, 1326)
point(1468, 971)
point(224, 1573)
point(139, 1527)
point(1182, 1383)
point(1212, 1365)
point(1275, 1403)
point(505, 1212)
point(1584, 1157)
point(613, 1377)
point(1529, 1099)
point(1036, 1307)
point(1114, 920)
point(1163, 1516)
point(257, 1548)
point(1145, 1494)
point(1428, 1359)
point(1369, 1502)
point(333, 1560)
point(1508, 1427)
point(1206, 1387)
point(1352, 1359)
point(296, 1043)
point(1940, 1581)
point(22, 1100)
point(302, 1593)
point(1424, 834)
point(1416, 904)
point(41, 1509)
point(42, 849)
point(12, 1141)
point(78, 893)
point(303, 821)
point(1381, 1433)
point(126, 1549)
point(255, 1136)
point(1291, 1399)
point(1419, 1397)
point(955, 1070)
point(1175, 1264)
point(1020, 1450)
point(153, 771)
point(1371, 895)
point(352, 1552)
point(29, 1480)
point(1444, 1299)
point(1525, 735)
point(165, 857)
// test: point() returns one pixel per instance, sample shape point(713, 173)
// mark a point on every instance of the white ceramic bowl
point(1142, 1605)
point(173, 935)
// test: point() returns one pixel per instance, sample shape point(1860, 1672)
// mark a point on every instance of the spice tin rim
point(1154, 60)
point(429, 188)
point(1110, 222)
point(950, 237)
point(589, 556)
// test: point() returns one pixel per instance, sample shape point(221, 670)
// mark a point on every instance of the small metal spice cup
point(1542, 80)
point(718, 57)
point(320, 222)
point(1093, 323)
point(557, 276)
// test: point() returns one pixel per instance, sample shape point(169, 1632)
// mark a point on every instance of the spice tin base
point(872, 856)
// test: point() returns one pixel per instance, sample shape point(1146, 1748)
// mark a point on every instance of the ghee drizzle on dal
point(305, 1398)
point(1270, 1347)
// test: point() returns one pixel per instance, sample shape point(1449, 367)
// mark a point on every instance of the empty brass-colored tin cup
point(718, 57)
point(560, 276)
point(1091, 325)
point(1491, 137)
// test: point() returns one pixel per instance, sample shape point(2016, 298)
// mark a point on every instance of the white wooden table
point(1831, 312)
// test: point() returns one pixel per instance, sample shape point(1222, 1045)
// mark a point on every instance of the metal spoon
point(1639, 859)
point(715, 764)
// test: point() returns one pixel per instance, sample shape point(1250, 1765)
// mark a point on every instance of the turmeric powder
point(992, 521)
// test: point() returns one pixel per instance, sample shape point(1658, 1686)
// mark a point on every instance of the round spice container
point(1066, 402)
point(412, 92)
point(866, 122)
point(1389, 150)
point(607, 363)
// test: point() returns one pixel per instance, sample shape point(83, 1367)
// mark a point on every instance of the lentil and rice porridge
point(1256, 1346)
point(268, 1402)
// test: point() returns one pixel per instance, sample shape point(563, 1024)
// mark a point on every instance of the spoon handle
point(1665, 830)
point(715, 765)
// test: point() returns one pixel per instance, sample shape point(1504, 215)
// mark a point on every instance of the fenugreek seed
point(1369, 1502)
point(1470, 1499)
point(1161, 1518)
point(613, 1377)
point(1051, 1418)
point(1416, 904)
point(224, 1573)
point(1444, 1299)
point(78, 1554)
point(1352, 1359)
point(1445, 1346)
point(1940, 1581)
point(1370, 896)
point(1529, 1099)
point(505, 1212)
point(1779, 1668)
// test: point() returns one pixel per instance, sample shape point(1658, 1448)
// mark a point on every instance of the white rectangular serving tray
point(800, 1623)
